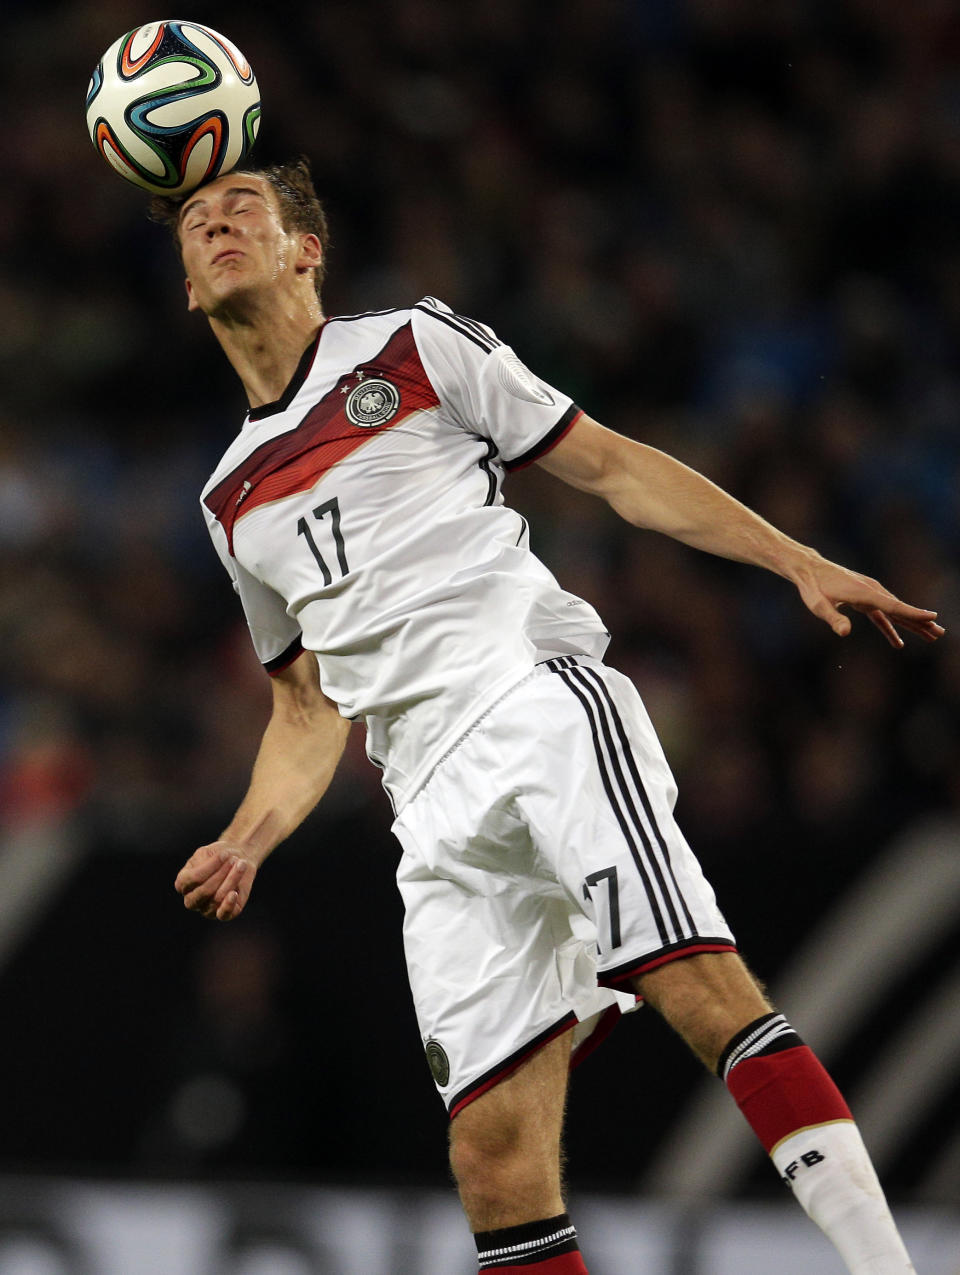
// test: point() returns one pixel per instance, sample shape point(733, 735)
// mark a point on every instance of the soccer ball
point(173, 104)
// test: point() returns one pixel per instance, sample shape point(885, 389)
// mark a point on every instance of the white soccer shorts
point(541, 869)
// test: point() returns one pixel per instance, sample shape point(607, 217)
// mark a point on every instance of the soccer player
point(546, 885)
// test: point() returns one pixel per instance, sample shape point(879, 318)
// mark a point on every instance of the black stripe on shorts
point(506, 1065)
point(625, 790)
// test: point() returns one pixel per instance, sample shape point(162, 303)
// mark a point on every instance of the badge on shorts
point(438, 1062)
point(373, 402)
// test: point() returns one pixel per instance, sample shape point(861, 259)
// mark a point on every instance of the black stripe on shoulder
point(548, 441)
point(479, 329)
point(451, 320)
point(367, 314)
point(285, 658)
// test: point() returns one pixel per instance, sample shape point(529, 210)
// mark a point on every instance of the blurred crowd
point(727, 227)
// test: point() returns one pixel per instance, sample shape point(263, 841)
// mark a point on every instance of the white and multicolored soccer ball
point(173, 104)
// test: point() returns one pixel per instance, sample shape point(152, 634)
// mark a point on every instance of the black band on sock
point(768, 1034)
point(528, 1243)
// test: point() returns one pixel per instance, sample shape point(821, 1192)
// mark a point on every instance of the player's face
point(234, 244)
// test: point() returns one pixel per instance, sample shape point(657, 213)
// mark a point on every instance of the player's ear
point(310, 254)
point(192, 303)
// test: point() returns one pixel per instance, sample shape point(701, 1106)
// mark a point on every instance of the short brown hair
point(300, 208)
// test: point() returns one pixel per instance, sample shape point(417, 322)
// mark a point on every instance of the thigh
point(602, 815)
point(524, 1114)
point(497, 959)
point(542, 870)
point(495, 969)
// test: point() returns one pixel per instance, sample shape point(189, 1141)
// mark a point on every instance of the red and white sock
point(799, 1115)
point(546, 1247)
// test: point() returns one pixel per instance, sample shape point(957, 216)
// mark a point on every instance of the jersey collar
point(295, 385)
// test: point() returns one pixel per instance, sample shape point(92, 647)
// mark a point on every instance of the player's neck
point(265, 349)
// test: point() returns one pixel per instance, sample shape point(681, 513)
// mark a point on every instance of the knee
point(707, 999)
point(502, 1179)
point(505, 1146)
point(481, 1156)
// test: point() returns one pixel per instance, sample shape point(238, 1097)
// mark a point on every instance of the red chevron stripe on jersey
point(295, 461)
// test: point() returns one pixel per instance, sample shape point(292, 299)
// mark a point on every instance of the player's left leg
point(787, 1097)
point(505, 1152)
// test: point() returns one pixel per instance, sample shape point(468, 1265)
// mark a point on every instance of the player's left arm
point(651, 489)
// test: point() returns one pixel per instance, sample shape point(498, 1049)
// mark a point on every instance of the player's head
point(288, 188)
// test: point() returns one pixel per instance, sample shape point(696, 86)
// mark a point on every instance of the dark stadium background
point(726, 227)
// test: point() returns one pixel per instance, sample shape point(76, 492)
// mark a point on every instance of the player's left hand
point(216, 881)
point(825, 587)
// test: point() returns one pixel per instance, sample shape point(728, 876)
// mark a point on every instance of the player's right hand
point(216, 881)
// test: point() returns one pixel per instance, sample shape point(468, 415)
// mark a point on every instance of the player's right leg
point(504, 988)
point(505, 1146)
point(505, 1153)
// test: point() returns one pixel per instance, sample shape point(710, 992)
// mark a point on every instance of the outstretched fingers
point(884, 624)
point(827, 587)
point(912, 619)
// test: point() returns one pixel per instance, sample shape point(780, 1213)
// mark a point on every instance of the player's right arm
point(301, 746)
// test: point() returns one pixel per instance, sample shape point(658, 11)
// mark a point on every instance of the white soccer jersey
point(360, 517)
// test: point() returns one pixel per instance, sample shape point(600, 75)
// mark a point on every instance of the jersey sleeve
point(276, 636)
point(486, 388)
